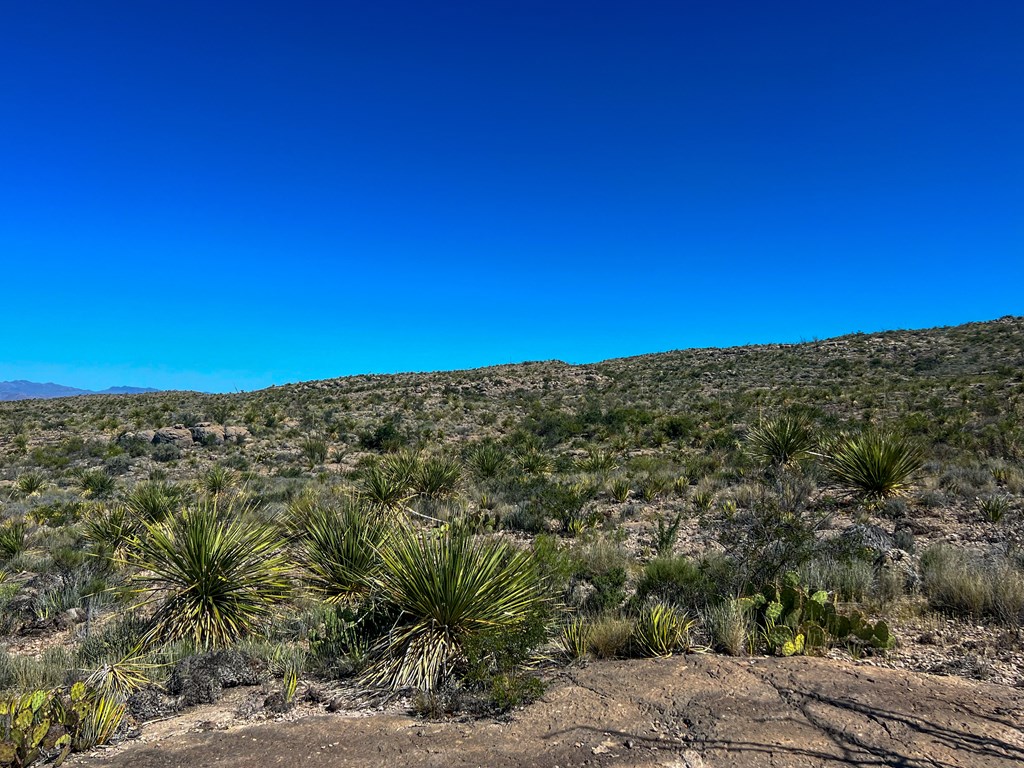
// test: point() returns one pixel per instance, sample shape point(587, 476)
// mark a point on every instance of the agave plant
point(448, 590)
point(781, 442)
point(210, 576)
point(340, 549)
point(874, 465)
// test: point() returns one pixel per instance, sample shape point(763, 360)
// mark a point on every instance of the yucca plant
point(31, 483)
point(782, 441)
point(96, 482)
point(662, 630)
point(874, 465)
point(152, 501)
point(448, 590)
point(488, 460)
point(339, 549)
point(210, 576)
point(110, 531)
point(533, 462)
point(438, 477)
point(665, 534)
point(216, 480)
point(383, 489)
point(13, 538)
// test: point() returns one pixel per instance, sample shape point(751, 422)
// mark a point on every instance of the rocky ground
point(685, 712)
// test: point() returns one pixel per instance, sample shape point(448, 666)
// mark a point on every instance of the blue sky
point(227, 195)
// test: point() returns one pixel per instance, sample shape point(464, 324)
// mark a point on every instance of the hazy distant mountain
point(28, 390)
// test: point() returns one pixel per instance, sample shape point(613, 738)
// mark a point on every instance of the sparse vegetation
point(460, 533)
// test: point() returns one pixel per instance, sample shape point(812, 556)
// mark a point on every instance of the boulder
point(206, 433)
point(202, 678)
point(901, 567)
point(236, 434)
point(142, 436)
point(177, 435)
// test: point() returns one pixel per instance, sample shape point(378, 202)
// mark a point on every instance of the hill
point(857, 499)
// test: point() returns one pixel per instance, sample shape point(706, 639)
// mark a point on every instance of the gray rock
point(868, 536)
point(901, 566)
point(236, 434)
point(176, 435)
point(206, 433)
point(202, 679)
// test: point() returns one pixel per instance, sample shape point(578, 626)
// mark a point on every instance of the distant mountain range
point(29, 390)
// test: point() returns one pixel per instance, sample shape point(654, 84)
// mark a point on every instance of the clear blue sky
point(222, 195)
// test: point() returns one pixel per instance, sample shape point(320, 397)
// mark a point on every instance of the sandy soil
point(684, 712)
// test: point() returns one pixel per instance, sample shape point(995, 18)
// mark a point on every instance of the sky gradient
point(224, 196)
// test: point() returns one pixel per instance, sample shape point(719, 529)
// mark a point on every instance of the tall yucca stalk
point(210, 576)
point(449, 590)
point(874, 465)
point(340, 548)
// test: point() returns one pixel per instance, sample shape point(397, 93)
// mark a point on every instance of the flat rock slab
point(684, 712)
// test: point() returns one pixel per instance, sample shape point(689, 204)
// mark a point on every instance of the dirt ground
point(683, 712)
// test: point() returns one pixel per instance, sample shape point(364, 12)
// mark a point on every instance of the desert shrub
point(609, 636)
point(603, 564)
point(165, 452)
point(314, 451)
point(449, 591)
point(210, 576)
point(874, 465)
point(497, 666)
point(849, 578)
point(117, 465)
point(384, 437)
point(960, 583)
point(731, 626)
point(673, 580)
point(767, 541)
